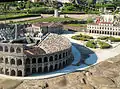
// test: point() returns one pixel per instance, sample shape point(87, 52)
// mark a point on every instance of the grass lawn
point(16, 16)
point(49, 19)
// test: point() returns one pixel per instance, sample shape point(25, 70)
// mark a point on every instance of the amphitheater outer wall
point(14, 62)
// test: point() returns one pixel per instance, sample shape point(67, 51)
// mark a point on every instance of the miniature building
point(45, 28)
point(105, 24)
point(25, 56)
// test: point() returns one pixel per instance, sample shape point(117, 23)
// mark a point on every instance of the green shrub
point(103, 38)
point(91, 44)
point(113, 39)
point(103, 45)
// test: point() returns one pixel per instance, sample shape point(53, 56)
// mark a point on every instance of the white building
point(105, 24)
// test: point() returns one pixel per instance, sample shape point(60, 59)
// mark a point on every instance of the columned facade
point(104, 29)
point(14, 62)
point(48, 63)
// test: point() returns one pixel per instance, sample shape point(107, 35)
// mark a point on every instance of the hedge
point(103, 45)
point(91, 44)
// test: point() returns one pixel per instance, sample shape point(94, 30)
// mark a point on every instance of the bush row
point(112, 39)
point(103, 45)
point(91, 44)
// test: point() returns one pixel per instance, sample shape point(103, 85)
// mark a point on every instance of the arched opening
point(6, 60)
point(105, 32)
point(33, 60)
point(1, 48)
point(1, 60)
point(63, 63)
point(27, 61)
point(45, 69)
point(113, 33)
point(12, 49)
point(19, 73)
point(39, 69)
point(63, 55)
point(56, 57)
point(6, 49)
point(60, 56)
point(51, 68)
point(39, 60)
point(56, 66)
point(27, 70)
point(19, 62)
point(33, 70)
point(60, 66)
point(45, 59)
point(12, 73)
point(1, 71)
point(7, 71)
point(12, 61)
point(18, 50)
point(110, 33)
point(51, 58)
point(66, 61)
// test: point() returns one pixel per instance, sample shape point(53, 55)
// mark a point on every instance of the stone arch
point(12, 61)
point(51, 58)
point(45, 59)
point(18, 50)
point(60, 65)
point(27, 70)
point(60, 56)
point(39, 60)
point(39, 69)
point(34, 60)
point(27, 61)
point(12, 49)
point(56, 57)
point(19, 73)
point(7, 71)
point(6, 49)
point(64, 63)
point(19, 62)
point(13, 73)
point(113, 33)
point(1, 60)
point(110, 33)
point(33, 70)
point(46, 69)
point(51, 67)
point(1, 48)
point(1, 71)
point(6, 60)
point(56, 66)
point(63, 55)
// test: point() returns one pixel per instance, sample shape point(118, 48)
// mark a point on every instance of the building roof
point(54, 43)
point(51, 44)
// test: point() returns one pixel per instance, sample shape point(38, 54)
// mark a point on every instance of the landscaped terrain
point(102, 42)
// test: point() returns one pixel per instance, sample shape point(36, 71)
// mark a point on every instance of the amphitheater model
point(26, 56)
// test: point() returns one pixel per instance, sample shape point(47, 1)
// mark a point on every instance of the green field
point(49, 19)
point(16, 16)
